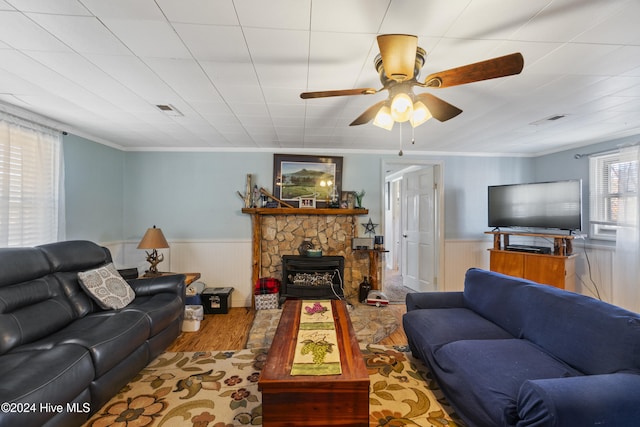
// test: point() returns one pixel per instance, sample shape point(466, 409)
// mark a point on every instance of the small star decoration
point(369, 227)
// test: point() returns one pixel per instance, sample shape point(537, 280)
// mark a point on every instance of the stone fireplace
point(281, 231)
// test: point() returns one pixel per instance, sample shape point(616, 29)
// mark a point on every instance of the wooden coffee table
point(323, 400)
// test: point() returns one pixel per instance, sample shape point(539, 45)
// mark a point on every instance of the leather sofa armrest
point(166, 283)
point(612, 399)
point(416, 301)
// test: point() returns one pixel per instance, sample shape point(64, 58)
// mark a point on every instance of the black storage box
point(216, 300)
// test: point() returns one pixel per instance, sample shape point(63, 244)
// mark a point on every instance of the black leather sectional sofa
point(62, 356)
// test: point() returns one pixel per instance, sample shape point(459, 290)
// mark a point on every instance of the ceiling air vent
point(169, 110)
point(549, 119)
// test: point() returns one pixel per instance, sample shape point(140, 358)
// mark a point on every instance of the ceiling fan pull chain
point(400, 153)
point(413, 135)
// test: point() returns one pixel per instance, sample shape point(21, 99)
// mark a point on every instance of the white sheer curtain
point(31, 183)
point(626, 268)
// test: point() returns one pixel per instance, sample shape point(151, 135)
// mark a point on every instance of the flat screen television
point(553, 205)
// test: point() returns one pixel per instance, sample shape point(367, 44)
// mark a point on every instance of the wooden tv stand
point(556, 269)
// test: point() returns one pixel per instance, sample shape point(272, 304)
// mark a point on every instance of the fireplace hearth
point(312, 277)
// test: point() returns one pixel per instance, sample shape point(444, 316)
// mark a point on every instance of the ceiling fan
point(398, 64)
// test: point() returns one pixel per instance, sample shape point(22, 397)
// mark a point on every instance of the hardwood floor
point(230, 331)
point(397, 337)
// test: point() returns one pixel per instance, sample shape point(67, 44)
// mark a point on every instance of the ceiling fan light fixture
point(401, 107)
point(420, 114)
point(383, 118)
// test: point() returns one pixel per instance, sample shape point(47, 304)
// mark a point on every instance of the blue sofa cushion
point(497, 297)
point(483, 377)
point(593, 336)
point(434, 328)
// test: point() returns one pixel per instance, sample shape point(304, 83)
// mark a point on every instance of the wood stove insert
point(312, 277)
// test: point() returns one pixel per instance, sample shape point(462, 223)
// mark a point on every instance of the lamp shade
point(153, 239)
point(420, 114)
point(383, 118)
point(401, 107)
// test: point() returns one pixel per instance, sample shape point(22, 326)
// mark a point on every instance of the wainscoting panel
point(461, 255)
point(594, 270)
point(594, 274)
point(228, 263)
point(221, 263)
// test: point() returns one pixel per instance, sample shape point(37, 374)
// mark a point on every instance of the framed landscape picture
point(296, 176)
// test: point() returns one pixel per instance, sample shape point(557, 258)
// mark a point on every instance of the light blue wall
point(94, 180)
point(465, 182)
point(564, 165)
point(115, 195)
point(193, 195)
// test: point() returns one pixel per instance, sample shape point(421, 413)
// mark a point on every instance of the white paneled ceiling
point(234, 70)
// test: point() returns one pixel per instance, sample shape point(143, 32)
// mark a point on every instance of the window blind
point(613, 187)
point(30, 183)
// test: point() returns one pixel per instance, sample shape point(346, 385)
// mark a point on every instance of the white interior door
point(418, 237)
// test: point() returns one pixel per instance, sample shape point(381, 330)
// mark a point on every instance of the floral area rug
point(220, 389)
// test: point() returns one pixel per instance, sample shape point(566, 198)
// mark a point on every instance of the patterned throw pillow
point(106, 287)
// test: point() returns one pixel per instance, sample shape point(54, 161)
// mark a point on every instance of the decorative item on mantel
point(348, 200)
point(153, 239)
point(250, 192)
point(359, 196)
point(307, 202)
point(276, 202)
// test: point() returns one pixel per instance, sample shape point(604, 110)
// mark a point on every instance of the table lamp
point(153, 239)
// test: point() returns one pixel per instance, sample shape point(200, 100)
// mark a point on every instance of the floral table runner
point(317, 343)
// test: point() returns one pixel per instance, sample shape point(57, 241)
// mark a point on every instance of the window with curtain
point(615, 214)
point(31, 190)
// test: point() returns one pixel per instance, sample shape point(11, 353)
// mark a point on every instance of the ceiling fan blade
point(439, 109)
point(345, 92)
point(398, 53)
point(368, 115)
point(490, 69)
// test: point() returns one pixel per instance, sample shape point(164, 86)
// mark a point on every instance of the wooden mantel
point(304, 211)
point(258, 213)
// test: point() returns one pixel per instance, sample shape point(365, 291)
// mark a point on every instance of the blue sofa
point(510, 352)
